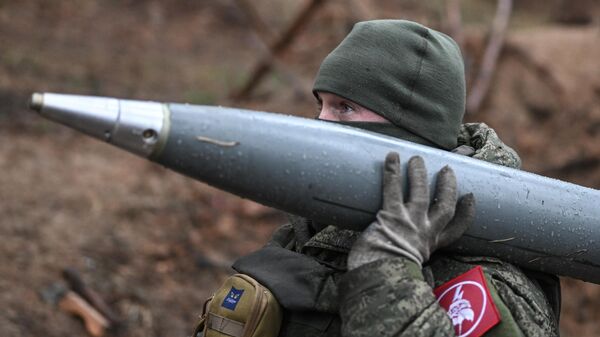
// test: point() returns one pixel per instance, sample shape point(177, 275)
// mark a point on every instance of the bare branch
point(264, 37)
point(454, 22)
point(263, 30)
point(490, 57)
point(278, 47)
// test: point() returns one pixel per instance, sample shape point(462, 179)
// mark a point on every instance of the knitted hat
point(409, 74)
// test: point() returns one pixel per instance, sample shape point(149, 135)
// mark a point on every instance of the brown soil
point(154, 244)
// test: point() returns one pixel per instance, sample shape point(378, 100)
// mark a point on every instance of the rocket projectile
point(332, 173)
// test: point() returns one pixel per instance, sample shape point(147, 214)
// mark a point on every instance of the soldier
point(405, 80)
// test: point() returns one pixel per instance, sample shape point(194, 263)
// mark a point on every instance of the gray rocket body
point(332, 173)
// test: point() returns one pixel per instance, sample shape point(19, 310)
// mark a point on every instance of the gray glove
point(413, 229)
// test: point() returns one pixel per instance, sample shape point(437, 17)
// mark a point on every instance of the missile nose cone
point(123, 123)
point(36, 102)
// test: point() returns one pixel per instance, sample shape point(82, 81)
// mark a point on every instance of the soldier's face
point(335, 108)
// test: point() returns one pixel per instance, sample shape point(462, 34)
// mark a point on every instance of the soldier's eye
point(346, 108)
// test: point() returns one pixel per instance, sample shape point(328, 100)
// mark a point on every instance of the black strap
point(296, 280)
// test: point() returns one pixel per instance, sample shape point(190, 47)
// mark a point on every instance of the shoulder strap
point(297, 281)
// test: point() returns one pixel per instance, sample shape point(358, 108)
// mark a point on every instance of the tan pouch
point(242, 307)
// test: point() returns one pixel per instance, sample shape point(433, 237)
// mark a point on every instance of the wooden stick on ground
point(490, 57)
point(94, 322)
point(78, 286)
point(277, 48)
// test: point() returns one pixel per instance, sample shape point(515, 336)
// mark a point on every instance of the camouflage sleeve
point(524, 308)
point(389, 297)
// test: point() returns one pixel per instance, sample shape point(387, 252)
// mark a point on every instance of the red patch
point(468, 302)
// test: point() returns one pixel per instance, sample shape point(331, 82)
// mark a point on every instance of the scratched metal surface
point(332, 173)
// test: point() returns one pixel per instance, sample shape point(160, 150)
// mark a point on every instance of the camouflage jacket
point(306, 271)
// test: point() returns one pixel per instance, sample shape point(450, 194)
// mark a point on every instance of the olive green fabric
point(409, 74)
point(510, 326)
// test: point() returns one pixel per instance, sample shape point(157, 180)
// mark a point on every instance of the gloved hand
point(413, 229)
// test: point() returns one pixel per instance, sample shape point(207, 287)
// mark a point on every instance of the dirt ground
point(154, 244)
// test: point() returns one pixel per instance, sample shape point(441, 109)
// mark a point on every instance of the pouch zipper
point(258, 306)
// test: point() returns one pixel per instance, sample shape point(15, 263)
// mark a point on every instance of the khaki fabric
point(410, 74)
point(242, 307)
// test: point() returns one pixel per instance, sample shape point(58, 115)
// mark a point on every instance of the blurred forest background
point(153, 244)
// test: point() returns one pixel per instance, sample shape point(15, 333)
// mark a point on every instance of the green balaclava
point(409, 74)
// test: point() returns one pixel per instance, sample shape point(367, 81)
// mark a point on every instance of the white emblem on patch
point(460, 310)
point(468, 303)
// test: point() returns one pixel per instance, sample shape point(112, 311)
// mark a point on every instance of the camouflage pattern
point(527, 305)
point(390, 298)
point(486, 145)
point(393, 297)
